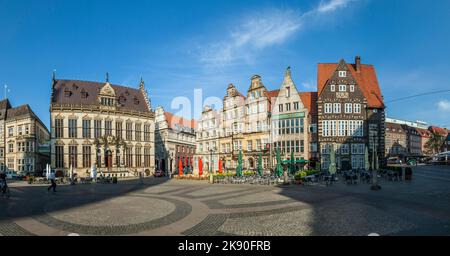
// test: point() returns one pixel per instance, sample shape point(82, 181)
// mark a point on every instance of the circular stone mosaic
point(113, 212)
point(113, 216)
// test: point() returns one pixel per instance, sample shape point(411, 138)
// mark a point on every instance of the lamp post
point(211, 150)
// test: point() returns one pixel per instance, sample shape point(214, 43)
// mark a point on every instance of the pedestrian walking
point(52, 180)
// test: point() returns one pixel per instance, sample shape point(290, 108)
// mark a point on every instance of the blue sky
point(181, 45)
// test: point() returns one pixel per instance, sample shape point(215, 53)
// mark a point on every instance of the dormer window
point(84, 94)
point(342, 73)
point(67, 92)
point(122, 100)
point(107, 101)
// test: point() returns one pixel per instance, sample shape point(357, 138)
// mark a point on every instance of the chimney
point(358, 63)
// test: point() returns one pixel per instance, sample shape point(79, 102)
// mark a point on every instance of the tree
point(435, 142)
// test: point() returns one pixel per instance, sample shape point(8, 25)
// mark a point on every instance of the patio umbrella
point(260, 169)
point(278, 168)
point(239, 167)
point(220, 166)
point(366, 160)
point(292, 165)
point(200, 166)
point(180, 167)
point(332, 167)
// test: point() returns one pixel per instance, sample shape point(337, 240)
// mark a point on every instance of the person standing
point(52, 180)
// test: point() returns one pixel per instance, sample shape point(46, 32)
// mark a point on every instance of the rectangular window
point(357, 108)
point(86, 156)
point(129, 131)
point(342, 127)
point(97, 129)
point(328, 108)
point(128, 157)
point(72, 128)
point(332, 87)
point(352, 87)
point(358, 149)
point(302, 146)
point(137, 132)
point(108, 128)
point(58, 128)
point(249, 145)
point(138, 157)
point(337, 108)
point(345, 149)
point(258, 145)
point(288, 91)
point(280, 108)
point(325, 129)
point(333, 128)
point(342, 87)
point(10, 131)
point(119, 130)
point(348, 108)
point(295, 105)
point(288, 106)
point(59, 156)
point(147, 157)
point(10, 148)
point(146, 132)
point(86, 129)
point(73, 156)
point(342, 73)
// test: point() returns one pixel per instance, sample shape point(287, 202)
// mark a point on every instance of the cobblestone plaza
point(181, 207)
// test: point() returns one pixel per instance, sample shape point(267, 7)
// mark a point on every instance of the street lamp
point(211, 150)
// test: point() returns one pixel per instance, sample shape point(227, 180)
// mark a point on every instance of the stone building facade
point(231, 127)
point(23, 136)
point(294, 121)
point(101, 124)
point(175, 141)
point(396, 140)
point(207, 139)
point(350, 113)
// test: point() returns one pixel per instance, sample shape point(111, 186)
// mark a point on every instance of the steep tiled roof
point(309, 99)
point(18, 111)
point(439, 130)
point(128, 98)
point(366, 79)
point(172, 120)
point(423, 132)
point(4, 104)
point(397, 127)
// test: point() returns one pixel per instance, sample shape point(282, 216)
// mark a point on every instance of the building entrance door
point(108, 159)
point(345, 164)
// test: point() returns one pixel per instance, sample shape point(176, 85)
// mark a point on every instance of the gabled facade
point(291, 121)
point(175, 141)
point(351, 113)
point(232, 126)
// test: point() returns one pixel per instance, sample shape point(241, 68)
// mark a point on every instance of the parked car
point(159, 173)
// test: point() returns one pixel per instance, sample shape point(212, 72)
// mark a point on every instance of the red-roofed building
point(350, 113)
point(174, 141)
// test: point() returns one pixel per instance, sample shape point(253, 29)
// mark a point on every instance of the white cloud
point(444, 105)
point(332, 5)
point(262, 30)
point(308, 86)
